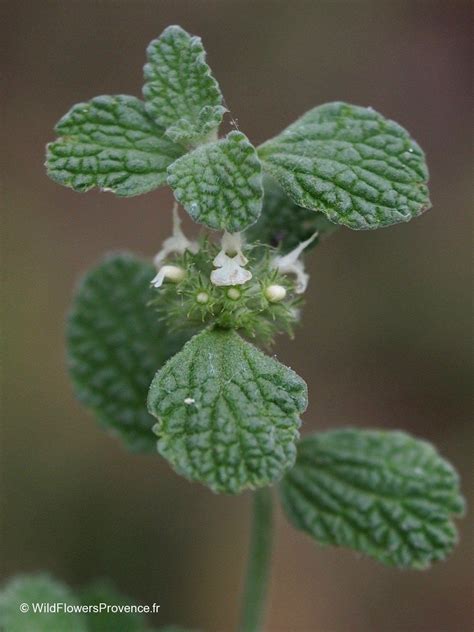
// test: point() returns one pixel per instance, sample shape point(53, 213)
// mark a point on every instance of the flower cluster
point(234, 286)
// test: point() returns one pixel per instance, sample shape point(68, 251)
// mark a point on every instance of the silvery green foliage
point(358, 168)
point(181, 95)
point(115, 345)
point(284, 224)
point(228, 415)
point(348, 162)
point(385, 494)
point(220, 184)
point(110, 143)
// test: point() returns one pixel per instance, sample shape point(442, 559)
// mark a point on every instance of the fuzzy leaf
point(285, 224)
point(32, 589)
point(385, 494)
point(181, 94)
point(115, 346)
point(228, 415)
point(111, 143)
point(220, 184)
point(358, 168)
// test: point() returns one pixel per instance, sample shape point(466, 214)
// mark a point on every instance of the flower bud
point(202, 298)
point(233, 293)
point(275, 293)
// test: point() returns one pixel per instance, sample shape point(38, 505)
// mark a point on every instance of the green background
point(386, 334)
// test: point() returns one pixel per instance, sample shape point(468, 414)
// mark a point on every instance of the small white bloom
point(189, 400)
point(230, 262)
point(275, 293)
point(291, 264)
point(177, 243)
point(175, 274)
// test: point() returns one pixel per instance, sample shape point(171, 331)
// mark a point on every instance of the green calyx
point(254, 308)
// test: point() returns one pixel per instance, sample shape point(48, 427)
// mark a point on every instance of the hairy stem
point(255, 588)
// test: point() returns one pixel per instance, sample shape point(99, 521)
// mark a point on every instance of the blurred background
point(386, 337)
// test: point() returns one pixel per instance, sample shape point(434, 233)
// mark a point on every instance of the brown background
point(386, 334)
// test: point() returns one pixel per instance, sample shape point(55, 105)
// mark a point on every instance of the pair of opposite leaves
point(347, 162)
point(228, 414)
point(229, 418)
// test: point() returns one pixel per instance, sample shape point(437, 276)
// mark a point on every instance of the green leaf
point(103, 592)
point(285, 224)
point(111, 143)
point(385, 494)
point(37, 589)
point(115, 345)
point(228, 415)
point(220, 184)
point(181, 94)
point(358, 168)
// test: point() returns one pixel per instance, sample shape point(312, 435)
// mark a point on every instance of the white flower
point(177, 243)
point(230, 262)
point(175, 274)
point(291, 264)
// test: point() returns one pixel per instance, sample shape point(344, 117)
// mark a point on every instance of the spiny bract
point(195, 302)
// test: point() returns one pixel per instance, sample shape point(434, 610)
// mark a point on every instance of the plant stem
point(258, 566)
